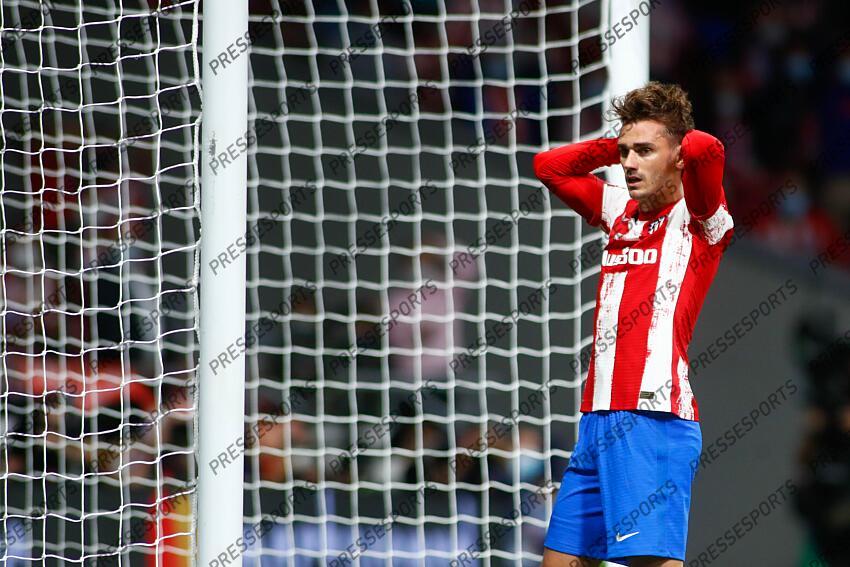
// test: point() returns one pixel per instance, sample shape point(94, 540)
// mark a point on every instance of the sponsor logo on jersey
point(631, 256)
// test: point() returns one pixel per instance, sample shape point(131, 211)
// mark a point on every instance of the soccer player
point(626, 493)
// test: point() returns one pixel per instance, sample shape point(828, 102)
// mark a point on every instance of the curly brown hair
point(666, 103)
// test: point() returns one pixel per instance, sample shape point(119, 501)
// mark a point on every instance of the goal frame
point(224, 191)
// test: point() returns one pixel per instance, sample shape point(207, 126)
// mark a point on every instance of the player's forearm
point(566, 172)
point(576, 159)
point(702, 177)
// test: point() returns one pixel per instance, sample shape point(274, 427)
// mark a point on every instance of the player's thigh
point(552, 558)
point(577, 524)
point(655, 562)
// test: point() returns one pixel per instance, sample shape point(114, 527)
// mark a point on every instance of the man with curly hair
point(626, 494)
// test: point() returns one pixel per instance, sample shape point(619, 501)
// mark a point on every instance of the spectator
point(428, 329)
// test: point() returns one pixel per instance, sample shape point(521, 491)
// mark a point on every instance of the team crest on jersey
point(628, 231)
point(656, 224)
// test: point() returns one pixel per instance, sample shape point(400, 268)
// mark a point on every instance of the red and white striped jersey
point(656, 270)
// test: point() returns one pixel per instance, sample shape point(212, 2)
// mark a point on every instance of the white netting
point(417, 304)
point(100, 108)
point(402, 415)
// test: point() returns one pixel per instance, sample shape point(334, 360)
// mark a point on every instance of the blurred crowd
point(823, 502)
point(91, 387)
point(379, 427)
point(771, 79)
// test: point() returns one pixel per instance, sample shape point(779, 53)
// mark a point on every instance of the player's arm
point(702, 177)
point(702, 180)
point(566, 172)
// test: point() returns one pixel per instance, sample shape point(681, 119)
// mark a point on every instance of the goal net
point(100, 109)
point(417, 304)
point(421, 303)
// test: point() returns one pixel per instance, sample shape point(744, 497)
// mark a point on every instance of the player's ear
point(678, 160)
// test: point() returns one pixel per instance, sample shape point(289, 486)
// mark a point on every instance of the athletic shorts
point(627, 489)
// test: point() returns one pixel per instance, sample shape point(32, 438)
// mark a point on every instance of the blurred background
point(777, 74)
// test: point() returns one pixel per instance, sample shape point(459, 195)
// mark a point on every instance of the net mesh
point(417, 304)
point(100, 109)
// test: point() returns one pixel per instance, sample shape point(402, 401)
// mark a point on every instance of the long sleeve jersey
point(657, 267)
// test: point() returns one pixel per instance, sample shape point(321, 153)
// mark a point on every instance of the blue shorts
point(627, 489)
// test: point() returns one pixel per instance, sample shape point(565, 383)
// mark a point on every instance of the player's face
point(651, 162)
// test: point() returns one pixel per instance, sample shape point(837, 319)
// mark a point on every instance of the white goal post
point(629, 56)
point(221, 405)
